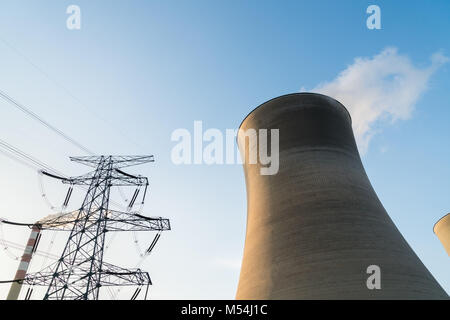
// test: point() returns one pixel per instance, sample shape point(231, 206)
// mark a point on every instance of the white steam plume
point(384, 88)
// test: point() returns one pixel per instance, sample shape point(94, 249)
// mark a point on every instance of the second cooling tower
point(316, 229)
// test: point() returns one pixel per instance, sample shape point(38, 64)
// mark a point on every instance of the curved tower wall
point(315, 227)
point(442, 230)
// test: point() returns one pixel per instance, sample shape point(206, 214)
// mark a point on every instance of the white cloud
point(381, 89)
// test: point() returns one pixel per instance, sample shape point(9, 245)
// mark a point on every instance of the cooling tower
point(316, 228)
point(442, 230)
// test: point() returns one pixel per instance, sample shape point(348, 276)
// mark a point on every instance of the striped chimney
point(24, 263)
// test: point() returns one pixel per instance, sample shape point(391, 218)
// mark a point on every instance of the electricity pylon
point(81, 272)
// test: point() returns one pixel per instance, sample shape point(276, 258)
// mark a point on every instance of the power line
point(28, 160)
point(34, 116)
point(22, 247)
point(69, 93)
point(33, 163)
point(25, 158)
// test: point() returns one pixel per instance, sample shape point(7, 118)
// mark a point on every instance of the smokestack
point(31, 247)
point(442, 230)
point(316, 229)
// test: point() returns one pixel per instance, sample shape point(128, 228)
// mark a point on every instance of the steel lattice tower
point(81, 272)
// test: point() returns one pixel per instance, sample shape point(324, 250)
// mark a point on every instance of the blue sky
point(138, 70)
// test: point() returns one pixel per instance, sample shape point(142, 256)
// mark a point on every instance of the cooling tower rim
point(296, 94)
point(437, 222)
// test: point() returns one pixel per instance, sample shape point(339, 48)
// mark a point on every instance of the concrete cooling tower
point(442, 230)
point(316, 229)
